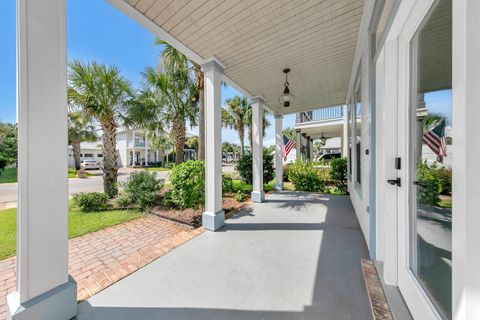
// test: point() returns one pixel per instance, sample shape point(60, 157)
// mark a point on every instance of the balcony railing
point(328, 113)
point(137, 144)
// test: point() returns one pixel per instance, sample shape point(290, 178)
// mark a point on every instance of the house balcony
point(322, 114)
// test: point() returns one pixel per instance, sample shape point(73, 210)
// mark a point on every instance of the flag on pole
point(288, 145)
point(436, 141)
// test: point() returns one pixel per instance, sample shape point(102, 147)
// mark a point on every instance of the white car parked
point(90, 164)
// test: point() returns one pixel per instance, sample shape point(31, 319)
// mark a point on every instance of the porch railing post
point(213, 217)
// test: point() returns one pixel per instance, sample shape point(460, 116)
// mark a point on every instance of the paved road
point(8, 191)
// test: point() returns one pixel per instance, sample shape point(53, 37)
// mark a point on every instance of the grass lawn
point(157, 169)
point(245, 187)
point(8, 175)
point(78, 224)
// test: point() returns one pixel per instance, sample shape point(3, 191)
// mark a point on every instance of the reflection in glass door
point(430, 149)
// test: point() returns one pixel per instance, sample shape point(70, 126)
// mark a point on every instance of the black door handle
point(395, 182)
point(421, 184)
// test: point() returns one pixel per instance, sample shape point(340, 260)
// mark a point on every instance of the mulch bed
point(193, 217)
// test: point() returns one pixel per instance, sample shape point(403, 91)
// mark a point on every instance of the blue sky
point(95, 31)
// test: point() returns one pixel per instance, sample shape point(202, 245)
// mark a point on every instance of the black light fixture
point(286, 98)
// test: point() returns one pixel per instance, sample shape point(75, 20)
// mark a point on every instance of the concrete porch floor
point(295, 256)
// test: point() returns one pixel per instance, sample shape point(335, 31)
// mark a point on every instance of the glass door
point(430, 157)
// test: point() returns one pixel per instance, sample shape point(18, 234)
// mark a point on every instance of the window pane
point(358, 132)
point(431, 191)
point(350, 134)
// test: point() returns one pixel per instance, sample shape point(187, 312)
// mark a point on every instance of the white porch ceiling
point(257, 39)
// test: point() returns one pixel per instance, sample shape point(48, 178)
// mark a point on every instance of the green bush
point(91, 201)
point(227, 184)
point(305, 177)
point(3, 164)
point(338, 174)
point(187, 185)
point(240, 196)
point(429, 184)
point(286, 169)
point(445, 176)
point(245, 164)
point(141, 189)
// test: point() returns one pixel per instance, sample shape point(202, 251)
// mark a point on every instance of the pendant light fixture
point(286, 98)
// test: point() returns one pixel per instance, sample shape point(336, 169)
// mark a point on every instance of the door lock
point(395, 182)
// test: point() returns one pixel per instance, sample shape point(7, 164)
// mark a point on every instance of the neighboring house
point(133, 148)
point(328, 124)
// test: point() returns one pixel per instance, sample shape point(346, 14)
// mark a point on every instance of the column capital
point(278, 116)
point(298, 130)
point(213, 64)
point(258, 99)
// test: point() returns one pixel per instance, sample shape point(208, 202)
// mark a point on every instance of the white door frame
point(409, 18)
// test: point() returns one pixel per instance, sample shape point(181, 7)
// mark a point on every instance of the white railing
point(328, 113)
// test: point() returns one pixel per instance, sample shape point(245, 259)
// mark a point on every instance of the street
point(8, 191)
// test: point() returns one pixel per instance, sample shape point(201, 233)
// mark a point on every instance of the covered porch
point(295, 256)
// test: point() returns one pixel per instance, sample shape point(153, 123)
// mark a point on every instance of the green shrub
point(227, 184)
point(3, 164)
point(445, 176)
point(305, 177)
point(286, 169)
point(140, 189)
point(245, 164)
point(187, 185)
point(338, 174)
point(429, 184)
point(91, 201)
point(240, 196)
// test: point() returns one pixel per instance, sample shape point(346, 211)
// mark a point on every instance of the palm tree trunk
point(110, 170)
point(178, 132)
point(76, 153)
point(241, 135)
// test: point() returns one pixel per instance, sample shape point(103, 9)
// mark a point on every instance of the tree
point(160, 142)
point(234, 116)
point(8, 142)
point(173, 105)
point(290, 133)
point(193, 142)
point(80, 129)
point(104, 94)
point(265, 124)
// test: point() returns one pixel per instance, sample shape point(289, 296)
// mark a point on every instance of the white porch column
point(214, 217)
point(345, 132)
point(44, 288)
point(466, 152)
point(278, 151)
point(298, 145)
point(257, 153)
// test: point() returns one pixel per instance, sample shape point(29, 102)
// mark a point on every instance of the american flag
point(288, 145)
point(436, 141)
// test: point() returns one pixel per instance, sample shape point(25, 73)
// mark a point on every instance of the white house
point(132, 146)
point(384, 59)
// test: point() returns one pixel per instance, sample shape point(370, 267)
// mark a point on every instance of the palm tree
point(103, 93)
point(248, 123)
point(167, 99)
point(173, 59)
point(160, 142)
point(80, 129)
point(290, 133)
point(234, 116)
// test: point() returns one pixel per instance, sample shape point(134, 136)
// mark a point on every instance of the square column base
point(258, 196)
point(59, 303)
point(213, 221)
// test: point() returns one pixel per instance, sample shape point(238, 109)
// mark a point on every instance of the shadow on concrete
point(338, 292)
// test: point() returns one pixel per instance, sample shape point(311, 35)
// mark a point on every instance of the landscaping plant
point(91, 201)
point(245, 164)
point(305, 177)
point(338, 174)
point(187, 182)
point(141, 189)
point(429, 183)
point(227, 184)
point(240, 196)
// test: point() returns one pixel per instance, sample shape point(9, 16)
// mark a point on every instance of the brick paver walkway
point(101, 258)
